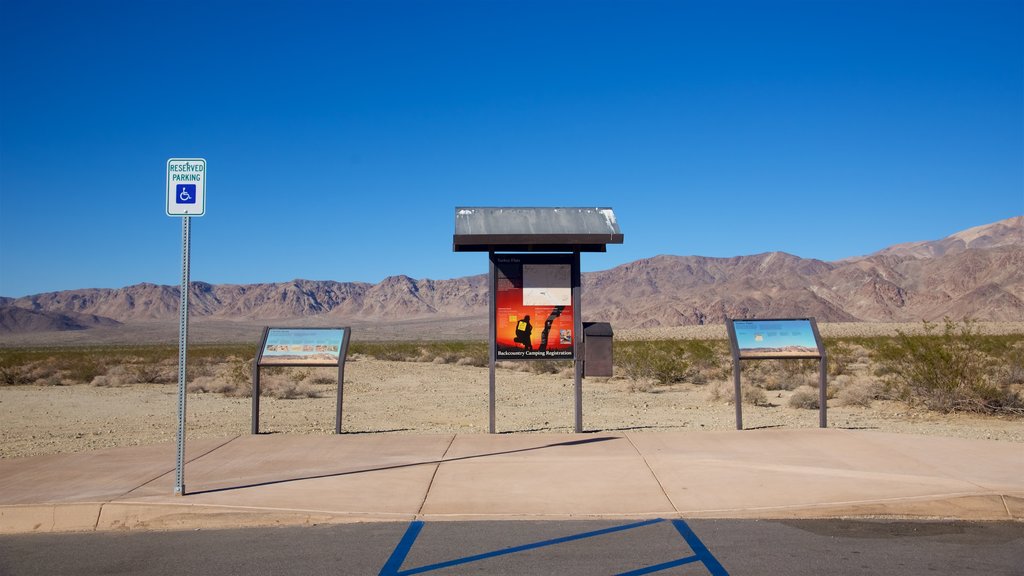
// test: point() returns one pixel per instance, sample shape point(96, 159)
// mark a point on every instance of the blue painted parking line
point(393, 567)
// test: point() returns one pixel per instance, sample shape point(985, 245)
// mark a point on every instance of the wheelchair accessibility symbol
point(186, 194)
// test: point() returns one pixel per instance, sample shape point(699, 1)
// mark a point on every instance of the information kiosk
point(534, 276)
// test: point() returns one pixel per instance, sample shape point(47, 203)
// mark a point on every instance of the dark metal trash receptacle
point(597, 349)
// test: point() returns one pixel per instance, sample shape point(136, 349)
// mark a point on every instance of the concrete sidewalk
point(277, 479)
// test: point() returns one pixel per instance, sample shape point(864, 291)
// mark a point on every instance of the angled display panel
point(775, 338)
point(303, 347)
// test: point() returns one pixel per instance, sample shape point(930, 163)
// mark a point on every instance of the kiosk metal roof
point(490, 229)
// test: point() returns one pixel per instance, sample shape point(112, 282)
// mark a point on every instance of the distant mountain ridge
point(976, 273)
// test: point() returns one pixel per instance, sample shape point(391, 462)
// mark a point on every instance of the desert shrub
point(43, 373)
point(839, 356)
point(546, 366)
point(115, 376)
point(466, 353)
point(755, 396)
point(12, 374)
point(231, 378)
point(789, 382)
point(49, 380)
point(710, 360)
point(721, 391)
point(215, 385)
point(724, 391)
point(804, 397)
point(856, 393)
point(286, 389)
point(662, 361)
point(84, 369)
point(323, 380)
point(393, 351)
point(1014, 371)
point(147, 372)
point(640, 386)
point(948, 371)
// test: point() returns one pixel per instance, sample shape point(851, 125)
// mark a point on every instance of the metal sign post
point(179, 476)
point(186, 197)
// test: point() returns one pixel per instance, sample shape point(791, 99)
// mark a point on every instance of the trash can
point(597, 349)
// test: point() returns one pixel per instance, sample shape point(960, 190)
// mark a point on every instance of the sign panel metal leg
point(737, 396)
point(823, 392)
point(255, 397)
point(341, 397)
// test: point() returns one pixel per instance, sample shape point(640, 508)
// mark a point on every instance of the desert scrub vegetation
point(945, 367)
point(461, 353)
point(953, 369)
point(664, 362)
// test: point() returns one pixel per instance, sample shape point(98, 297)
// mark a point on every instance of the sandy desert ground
point(384, 397)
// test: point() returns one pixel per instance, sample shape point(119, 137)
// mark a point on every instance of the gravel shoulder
point(423, 398)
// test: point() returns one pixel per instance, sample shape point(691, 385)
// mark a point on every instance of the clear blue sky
point(340, 136)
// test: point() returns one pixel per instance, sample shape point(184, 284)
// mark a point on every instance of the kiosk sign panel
point(533, 306)
point(789, 338)
point(302, 346)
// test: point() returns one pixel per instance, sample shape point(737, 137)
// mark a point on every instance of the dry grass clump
point(114, 377)
point(724, 391)
point(234, 378)
point(721, 391)
point(804, 397)
point(781, 374)
point(754, 395)
point(231, 378)
point(860, 394)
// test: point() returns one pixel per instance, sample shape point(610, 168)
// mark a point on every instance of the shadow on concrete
point(399, 466)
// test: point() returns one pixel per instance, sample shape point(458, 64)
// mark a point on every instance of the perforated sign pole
point(186, 197)
point(186, 233)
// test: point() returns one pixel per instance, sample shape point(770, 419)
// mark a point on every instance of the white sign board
point(186, 187)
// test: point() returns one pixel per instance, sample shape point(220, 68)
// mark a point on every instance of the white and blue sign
point(186, 187)
point(186, 194)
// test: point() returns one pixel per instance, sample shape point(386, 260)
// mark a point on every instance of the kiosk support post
point(577, 287)
point(491, 346)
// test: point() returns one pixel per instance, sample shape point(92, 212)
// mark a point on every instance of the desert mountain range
point(977, 273)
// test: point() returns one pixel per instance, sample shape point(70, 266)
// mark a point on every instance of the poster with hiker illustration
point(534, 314)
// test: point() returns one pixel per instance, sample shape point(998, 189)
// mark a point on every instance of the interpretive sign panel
point(303, 347)
point(780, 338)
point(533, 306)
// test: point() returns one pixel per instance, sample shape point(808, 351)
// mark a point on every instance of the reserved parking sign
point(186, 187)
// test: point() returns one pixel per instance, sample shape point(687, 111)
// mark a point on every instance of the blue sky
point(340, 136)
